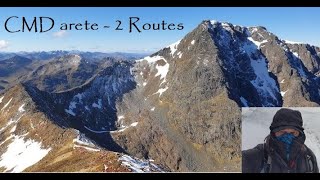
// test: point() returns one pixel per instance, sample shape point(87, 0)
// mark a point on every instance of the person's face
point(288, 130)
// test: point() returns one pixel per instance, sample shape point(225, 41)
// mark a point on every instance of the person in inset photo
point(284, 149)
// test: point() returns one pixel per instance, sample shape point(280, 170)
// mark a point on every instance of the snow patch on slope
point(257, 43)
point(6, 105)
point(11, 121)
point(138, 165)
point(162, 71)
point(85, 147)
point(21, 108)
point(162, 90)
point(72, 106)
point(254, 30)
point(79, 96)
point(150, 60)
point(123, 128)
point(265, 85)
point(173, 47)
point(214, 22)
point(292, 42)
point(298, 64)
point(99, 105)
point(22, 154)
point(70, 112)
point(83, 142)
point(283, 92)
point(13, 129)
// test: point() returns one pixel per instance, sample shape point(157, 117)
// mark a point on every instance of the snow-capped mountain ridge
point(181, 105)
point(256, 42)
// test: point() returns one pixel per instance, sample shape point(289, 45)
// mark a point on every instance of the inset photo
point(280, 140)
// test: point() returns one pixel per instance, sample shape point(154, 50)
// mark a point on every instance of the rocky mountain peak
point(181, 106)
point(71, 59)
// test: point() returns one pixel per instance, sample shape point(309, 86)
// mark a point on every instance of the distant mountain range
point(47, 55)
point(18, 67)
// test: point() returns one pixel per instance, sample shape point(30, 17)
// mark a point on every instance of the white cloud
point(3, 44)
point(60, 34)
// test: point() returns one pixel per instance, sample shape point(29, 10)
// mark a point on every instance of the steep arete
point(179, 108)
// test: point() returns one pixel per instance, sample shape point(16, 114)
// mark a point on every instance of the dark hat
point(287, 118)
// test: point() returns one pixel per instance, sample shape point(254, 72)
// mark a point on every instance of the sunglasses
point(289, 131)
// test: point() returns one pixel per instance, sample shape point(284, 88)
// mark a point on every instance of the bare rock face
point(198, 85)
point(186, 95)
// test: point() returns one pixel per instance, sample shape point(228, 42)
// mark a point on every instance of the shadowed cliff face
point(90, 108)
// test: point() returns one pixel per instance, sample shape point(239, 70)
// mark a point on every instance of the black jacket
point(267, 158)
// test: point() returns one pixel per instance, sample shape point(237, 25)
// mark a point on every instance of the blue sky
point(295, 24)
